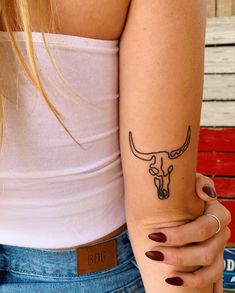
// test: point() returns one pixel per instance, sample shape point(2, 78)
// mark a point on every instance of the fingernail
point(155, 255)
point(176, 281)
point(159, 237)
point(209, 191)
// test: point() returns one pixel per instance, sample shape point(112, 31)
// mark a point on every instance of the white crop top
point(54, 193)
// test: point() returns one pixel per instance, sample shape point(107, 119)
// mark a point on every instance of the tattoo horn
point(140, 155)
point(176, 153)
point(172, 155)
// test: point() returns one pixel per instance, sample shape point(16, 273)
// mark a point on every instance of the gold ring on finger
point(218, 221)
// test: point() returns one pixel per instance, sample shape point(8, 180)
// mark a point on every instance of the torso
point(103, 19)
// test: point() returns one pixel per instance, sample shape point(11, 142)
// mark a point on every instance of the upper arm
point(161, 85)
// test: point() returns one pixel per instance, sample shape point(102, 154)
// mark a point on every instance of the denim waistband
point(54, 262)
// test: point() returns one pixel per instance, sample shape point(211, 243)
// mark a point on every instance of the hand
point(196, 243)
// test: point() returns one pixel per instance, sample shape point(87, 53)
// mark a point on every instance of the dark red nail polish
point(159, 237)
point(209, 191)
point(176, 281)
point(155, 255)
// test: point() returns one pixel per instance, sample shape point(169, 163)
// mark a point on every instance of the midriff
point(106, 237)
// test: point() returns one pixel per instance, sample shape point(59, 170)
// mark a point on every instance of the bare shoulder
point(103, 19)
point(153, 13)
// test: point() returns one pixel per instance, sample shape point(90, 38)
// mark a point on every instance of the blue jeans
point(33, 270)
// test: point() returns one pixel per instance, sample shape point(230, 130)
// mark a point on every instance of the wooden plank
point(213, 163)
point(218, 113)
point(220, 30)
point(224, 7)
point(211, 8)
point(217, 139)
point(219, 86)
point(219, 59)
point(225, 187)
point(230, 205)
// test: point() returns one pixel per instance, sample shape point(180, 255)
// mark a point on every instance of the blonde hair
point(16, 16)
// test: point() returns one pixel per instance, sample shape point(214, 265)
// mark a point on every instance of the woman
point(63, 226)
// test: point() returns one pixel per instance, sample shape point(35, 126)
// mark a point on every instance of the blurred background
point(216, 156)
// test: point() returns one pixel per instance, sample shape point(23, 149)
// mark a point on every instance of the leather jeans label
point(97, 257)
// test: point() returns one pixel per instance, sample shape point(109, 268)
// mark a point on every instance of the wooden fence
point(216, 156)
point(221, 7)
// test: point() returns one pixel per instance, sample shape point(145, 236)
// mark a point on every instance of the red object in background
point(225, 187)
point(217, 163)
point(216, 158)
point(217, 139)
point(230, 205)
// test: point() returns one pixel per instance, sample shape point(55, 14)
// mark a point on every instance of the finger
point(202, 277)
point(201, 229)
point(202, 254)
point(218, 286)
point(205, 188)
point(216, 208)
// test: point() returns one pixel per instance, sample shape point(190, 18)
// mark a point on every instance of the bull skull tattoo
point(160, 167)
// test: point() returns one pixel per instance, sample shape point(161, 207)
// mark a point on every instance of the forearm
point(183, 205)
point(146, 213)
point(161, 87)
point(171, 198)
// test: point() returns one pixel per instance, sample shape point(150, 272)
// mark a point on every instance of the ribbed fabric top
point(54, 193)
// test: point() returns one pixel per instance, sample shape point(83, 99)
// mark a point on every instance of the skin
point(209, 250)
point(105, 19)
point(160, 167)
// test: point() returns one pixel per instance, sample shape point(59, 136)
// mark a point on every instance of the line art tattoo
point(160, 167)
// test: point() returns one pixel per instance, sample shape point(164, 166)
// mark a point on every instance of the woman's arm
point(198, 241)
point(161, 86)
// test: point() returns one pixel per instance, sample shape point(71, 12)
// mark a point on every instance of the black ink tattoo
point(161, 173)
